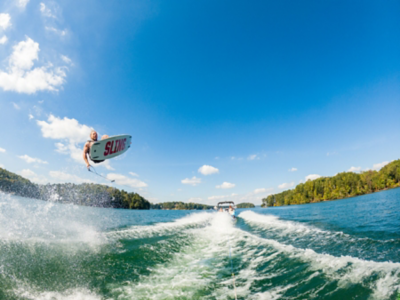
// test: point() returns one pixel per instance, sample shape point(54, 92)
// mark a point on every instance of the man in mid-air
point(89, 143)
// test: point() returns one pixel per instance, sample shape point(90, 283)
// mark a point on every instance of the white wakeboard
point(110, 147)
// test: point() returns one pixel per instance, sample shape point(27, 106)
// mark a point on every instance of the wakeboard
point(110, 147)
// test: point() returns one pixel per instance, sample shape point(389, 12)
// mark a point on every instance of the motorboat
point(227, 206)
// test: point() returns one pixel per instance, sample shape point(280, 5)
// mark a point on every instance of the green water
point(346, 249)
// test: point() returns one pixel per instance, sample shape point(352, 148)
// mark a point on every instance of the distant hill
point(245, 205)
point(343, 185)
point(87, 194)
point(180, 206)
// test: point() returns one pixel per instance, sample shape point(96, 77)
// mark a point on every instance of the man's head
point(93, 135)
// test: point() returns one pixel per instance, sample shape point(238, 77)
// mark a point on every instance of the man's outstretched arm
point(85, 153)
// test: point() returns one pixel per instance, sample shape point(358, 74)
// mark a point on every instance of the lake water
point(345, 249)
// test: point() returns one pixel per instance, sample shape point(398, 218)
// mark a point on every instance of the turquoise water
point(347, 249)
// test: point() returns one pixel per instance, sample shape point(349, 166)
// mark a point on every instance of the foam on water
point(162, 229)
point(192, 272)
point(344, 269)
point(331, 242)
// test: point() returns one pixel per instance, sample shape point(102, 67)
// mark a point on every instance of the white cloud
point(123, 180)
point(5, 21)
point(354, 169)
point(191, 181)
point(262, 190)
point(2, 150)
point(56, 31)
point(380, 165)
point(21, 77)
point(31, 117)
point(2, 166)
point(71, 133)
point(3, 40)
point(208, 170)
point(253, 157)
point(66, 59)
point(293, 170)
point(225, 185)
point(22, 3)
point(221, 197)
point(312, 177)
point(286, 185)
point(30, 160)
point(68, 129)
point(46, 12)
point(65, 177)
point(32, 176)
point(16, 106)
point(134, 174)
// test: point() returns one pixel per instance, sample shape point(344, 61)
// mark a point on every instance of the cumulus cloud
point(56, 31)
point(31, 160)
point(32, 176)
point(293, 170)
point(46, 12)
point(123, 180)
point(380, 165)
point(21, 77)
point(2, 150)
point(191, 181)
point(5, 21)
point(22, 3)
point(65, 177)
point(208, 170)
point(354, 169)
point(68, 129)
point(225, 185)
point(3, 40)
point(66, 59)
point(134, 174)
point(286, 185)
point(71, 133)
point(312, 177)
point(221, 197)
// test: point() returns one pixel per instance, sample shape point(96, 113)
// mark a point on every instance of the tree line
point(342, 185)
point(87, 194)
point(245, 205)
point(180, 205)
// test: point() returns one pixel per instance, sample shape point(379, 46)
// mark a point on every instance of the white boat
point(227, 206)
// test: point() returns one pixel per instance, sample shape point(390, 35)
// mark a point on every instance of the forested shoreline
point(86, 194)
point(180, 206)
point(245, 205)
point(340, 186)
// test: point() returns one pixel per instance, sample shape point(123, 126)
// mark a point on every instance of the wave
point(162, 229)
point(325, 241)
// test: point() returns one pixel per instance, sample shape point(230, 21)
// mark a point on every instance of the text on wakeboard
point(112, 147)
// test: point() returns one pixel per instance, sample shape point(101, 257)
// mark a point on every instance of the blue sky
point(224, 99)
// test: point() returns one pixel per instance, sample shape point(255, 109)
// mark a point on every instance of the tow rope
point(94, 172)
